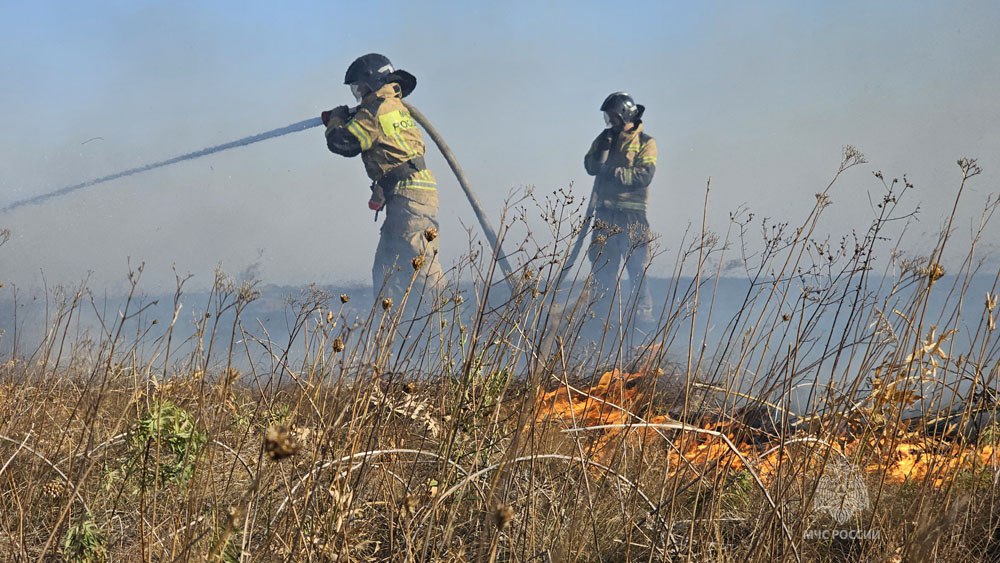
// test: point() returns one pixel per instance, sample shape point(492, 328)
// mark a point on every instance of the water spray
point(477, 208)
point(294, 127)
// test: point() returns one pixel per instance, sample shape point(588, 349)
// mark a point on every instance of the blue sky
point(761, 97)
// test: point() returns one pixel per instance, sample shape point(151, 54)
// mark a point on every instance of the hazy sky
point(760, 96)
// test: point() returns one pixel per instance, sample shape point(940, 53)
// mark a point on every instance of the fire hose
point(477, 208)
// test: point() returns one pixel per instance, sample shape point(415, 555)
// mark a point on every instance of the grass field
point(840, 418)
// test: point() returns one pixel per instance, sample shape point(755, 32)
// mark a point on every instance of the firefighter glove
point(606, 140)
point(336, 116)
point(377, 201)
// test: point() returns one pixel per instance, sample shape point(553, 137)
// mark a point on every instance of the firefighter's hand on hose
point(336, 116)
point(603, 147)
point(605, 140)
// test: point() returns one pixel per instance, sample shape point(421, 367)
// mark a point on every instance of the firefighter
point(391, 146)
point(623, 160)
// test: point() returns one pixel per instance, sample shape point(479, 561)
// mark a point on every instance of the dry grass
point(491, 430)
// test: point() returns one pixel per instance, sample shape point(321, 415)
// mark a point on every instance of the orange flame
point(614, 399)
point(607, 402)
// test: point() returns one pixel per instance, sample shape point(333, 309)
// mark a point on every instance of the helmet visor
point(359, 91)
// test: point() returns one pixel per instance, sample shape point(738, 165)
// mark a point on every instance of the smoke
point(760, 97)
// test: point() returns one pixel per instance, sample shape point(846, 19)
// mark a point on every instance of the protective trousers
point(404, 254)
point(621, 236)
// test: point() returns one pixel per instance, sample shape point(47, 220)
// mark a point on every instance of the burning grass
point(619, 409)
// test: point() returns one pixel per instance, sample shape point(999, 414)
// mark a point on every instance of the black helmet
point(374, 71)
point(622, 106)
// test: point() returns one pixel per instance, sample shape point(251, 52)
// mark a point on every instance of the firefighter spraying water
point(383, 130)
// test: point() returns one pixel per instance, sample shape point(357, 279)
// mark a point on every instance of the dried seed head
point(417, 262)
point(430, 234)
point(387, 303)
point(969, 167)
point(409, 388)
point(935, 272)
point(852, 156)
point(279, 443)
point(344, 298)
point(502, 515)
point(338, 345)
point(329, 317)
point(54, 488)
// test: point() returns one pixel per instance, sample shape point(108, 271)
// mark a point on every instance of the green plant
point(738, 493)
point(84, 542)
point(990, 434)
point(974, 479)
point(164, 444)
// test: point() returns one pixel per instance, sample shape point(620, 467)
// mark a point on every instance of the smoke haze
point(761, 98)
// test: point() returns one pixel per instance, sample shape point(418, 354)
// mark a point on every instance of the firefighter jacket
point(622, 181)
point(388, 140)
